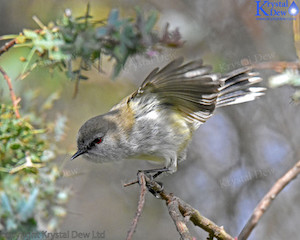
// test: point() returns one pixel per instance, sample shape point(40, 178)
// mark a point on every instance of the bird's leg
point(156, 173)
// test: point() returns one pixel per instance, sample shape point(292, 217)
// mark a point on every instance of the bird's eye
point(98, 140)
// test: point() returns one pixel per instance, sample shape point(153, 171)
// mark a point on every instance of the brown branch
point(186, 211)
point(13, 97)
point(76, 88)
point(178, 219)
point(265, 203)
point(142, 182)
point(7, 46)
point(198, 220)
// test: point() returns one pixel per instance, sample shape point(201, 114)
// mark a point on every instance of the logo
point(276, 10)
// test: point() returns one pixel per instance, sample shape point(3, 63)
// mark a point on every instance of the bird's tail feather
point(238, 87)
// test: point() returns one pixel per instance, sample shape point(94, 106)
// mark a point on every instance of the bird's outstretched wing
point(188, 88)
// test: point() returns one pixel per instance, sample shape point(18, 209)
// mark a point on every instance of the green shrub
point(29, 196)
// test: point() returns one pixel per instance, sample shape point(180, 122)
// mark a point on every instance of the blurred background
point(233, 159)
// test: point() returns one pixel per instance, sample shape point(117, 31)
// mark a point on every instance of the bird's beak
point(77, 154)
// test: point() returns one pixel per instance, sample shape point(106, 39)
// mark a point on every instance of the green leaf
point(6, 203)
point(118, 53)
point(15, 146)
point(101, 32)
point(28, 208)
point(152, 19)
point(7, 37)
point(20, 39)
point(117, 69)
point(58, 56)
point(127, 37)
point(113, 16)
point(29, 57)
point(11, 224)
point(124, 52)
point(74, 39)
point(30, 34)
point(138, 11)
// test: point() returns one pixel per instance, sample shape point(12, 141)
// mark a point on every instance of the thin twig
point(178, 219)
point(7, 46)
point(13, 97)
point(140, 207)
point(265, 203)
point(76, 88)
point(130, 183)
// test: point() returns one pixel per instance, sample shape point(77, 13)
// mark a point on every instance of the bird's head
point(97, 140)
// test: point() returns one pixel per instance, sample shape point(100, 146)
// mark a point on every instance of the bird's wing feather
point(189, 88)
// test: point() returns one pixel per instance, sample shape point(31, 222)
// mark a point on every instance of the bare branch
point(178, 219)
point(13, 97)
point(7, 46)
point(198, 220)
point(76, 88)
point(187, 212)
point(130, 183)
point(140, 207)
point(265, 203)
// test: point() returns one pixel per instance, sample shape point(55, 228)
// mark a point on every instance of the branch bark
point(180, 212)
point(265, 203)
point(13, 97)
point(140, 207)
point(198, 220)
point(178, 219)
point(7, 46)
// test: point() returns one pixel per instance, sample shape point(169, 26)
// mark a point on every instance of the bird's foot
point(154, 173)
point(151, 174)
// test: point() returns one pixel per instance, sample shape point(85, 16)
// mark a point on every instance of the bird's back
point(173, 102)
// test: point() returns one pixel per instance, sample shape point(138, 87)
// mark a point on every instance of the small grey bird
point(157, 121)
